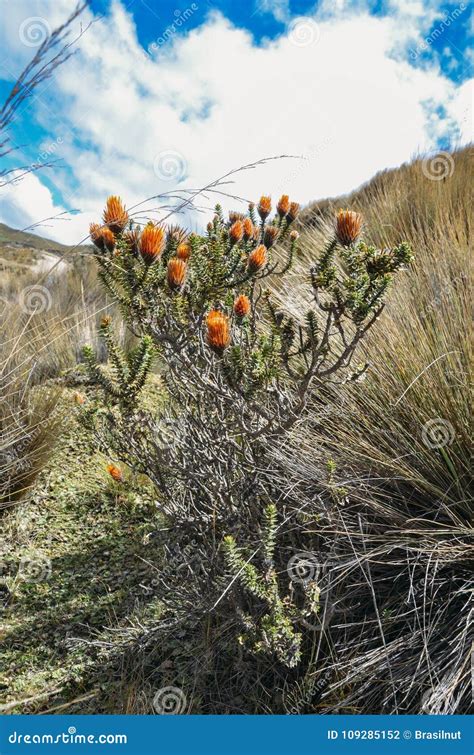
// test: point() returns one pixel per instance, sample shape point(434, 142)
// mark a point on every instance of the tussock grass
point(45, 321)
point(398, 534)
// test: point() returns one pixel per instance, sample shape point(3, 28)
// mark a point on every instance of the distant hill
point(10, 237)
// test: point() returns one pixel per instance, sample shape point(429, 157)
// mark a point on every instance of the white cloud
point(27, 202)
point(342, 100)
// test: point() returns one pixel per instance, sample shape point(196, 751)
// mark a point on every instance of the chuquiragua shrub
point(238, 373)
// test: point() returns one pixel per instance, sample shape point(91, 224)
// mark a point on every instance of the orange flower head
point(218, 333)
point(105, 321)
point(102, 237)
point(115, 214)
point(249, 229)
point(115, 472)
point(348, 226)
point(79, 398)
point(96, 236)
point(242, 305)
point(183, 252)
point(109, 239)
point(258, 258)
point(283, 205)
point(293, 212)
point(236, 232)
point(270, 235)
point(176, 273)
point(264, 207)
point(152, 242)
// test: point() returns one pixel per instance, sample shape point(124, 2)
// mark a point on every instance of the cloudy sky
point(162, 96)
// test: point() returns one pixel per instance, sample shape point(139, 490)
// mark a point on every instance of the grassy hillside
point(77, 638)
point(11, 237)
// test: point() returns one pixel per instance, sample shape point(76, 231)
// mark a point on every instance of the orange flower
point(102, 237)
point(249, 229)
point(218, 334)
point(96, 236)
point(348, 226)
point(152, 242)
point(115, 472)
point(283, 205)
point(293, 212)
point(105, 321)
point(264, 207)
point(115, 215)
point(257, 258)
point(236, 232)
point(176, 272)
point(79, 398)
point(269, 235)
point(242, 305)
point(183, 251)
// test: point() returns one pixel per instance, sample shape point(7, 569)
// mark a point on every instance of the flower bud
point(249, 229)
point(258, 258)
point(218, 334)
point(270, 235)
point(236, 232)
point(264, 207)
point(115, 472)
point(293, 212)
point(183, 252)
point(283, 205)
point(176, 273)
point(152, 242)
point(115, 215)
point(348, 226)
point(242, 306)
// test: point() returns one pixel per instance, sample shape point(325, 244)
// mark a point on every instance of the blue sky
point(265, 21)
point(162, 95)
